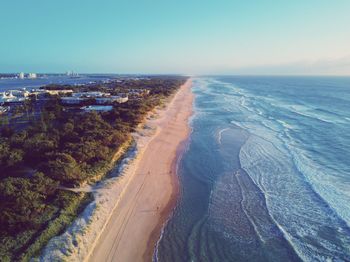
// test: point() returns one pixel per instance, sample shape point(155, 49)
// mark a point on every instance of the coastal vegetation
point(63, 148)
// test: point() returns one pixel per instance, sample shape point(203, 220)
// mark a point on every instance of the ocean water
point(266, 176)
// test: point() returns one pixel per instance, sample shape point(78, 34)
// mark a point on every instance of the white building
point(21, 75)
point(8, 97)
point(72, 74)
point(59, 91)
point(19, 93)
point(99, 98)
point(93, 94)
point(32, 75)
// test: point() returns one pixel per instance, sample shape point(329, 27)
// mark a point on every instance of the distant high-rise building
point(32, 75)
point(21, 75)
point(72, 74)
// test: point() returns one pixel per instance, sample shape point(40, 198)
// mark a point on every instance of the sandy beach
point(135, 224)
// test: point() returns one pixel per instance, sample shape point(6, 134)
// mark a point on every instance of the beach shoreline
point(129, 210)
point(133, 229)
point(165, 214)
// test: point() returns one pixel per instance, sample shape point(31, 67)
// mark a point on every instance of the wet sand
point(149, 197)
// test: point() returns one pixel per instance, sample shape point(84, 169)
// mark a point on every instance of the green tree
point(63, 168)
point(23, 201)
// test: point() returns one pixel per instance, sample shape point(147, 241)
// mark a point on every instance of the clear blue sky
point(183, 36)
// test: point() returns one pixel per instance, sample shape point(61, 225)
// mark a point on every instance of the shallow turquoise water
point(266, 176)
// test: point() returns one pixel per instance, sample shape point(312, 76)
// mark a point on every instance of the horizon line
point(184, 74)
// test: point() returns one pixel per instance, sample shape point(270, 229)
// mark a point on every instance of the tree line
point(61, 148)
